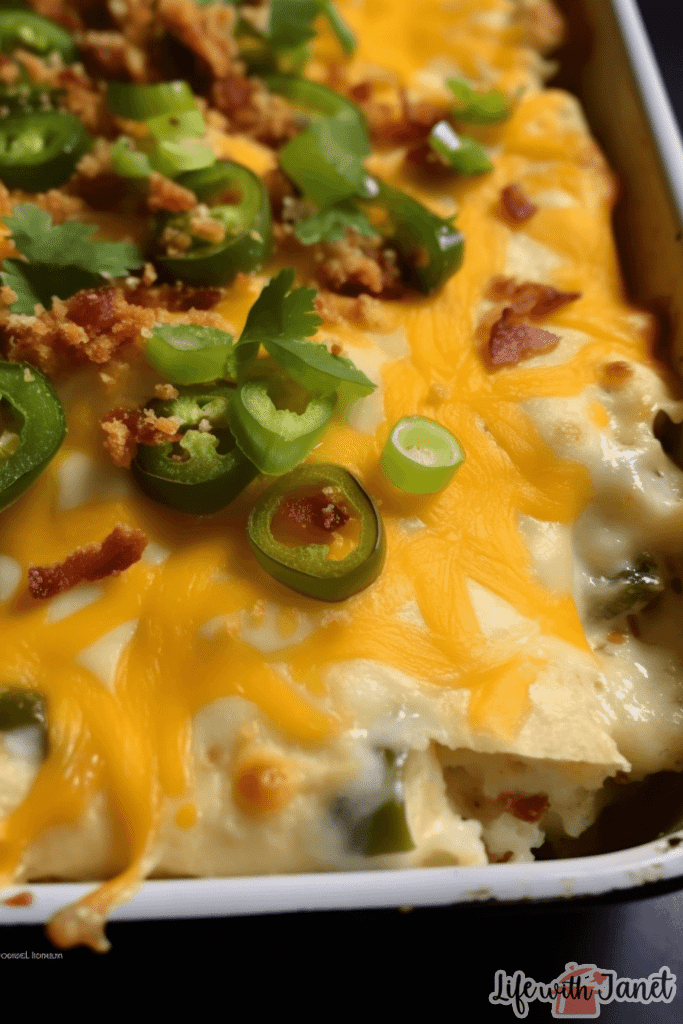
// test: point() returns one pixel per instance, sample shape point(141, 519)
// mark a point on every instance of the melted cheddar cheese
point(127, 669)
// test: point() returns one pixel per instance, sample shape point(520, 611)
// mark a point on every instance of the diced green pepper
point(628, 591)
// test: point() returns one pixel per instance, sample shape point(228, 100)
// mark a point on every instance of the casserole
point(377, 888)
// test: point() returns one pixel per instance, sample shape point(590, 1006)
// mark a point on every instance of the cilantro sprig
point(59, 259)
point(283, 319)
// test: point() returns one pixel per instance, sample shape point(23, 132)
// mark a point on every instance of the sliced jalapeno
point(302, 528)
point(277, 439)
point(239, 202)
point(202, 472)
point(39, 151)
point(431, 249)
point(24, 30)
point(33, 428)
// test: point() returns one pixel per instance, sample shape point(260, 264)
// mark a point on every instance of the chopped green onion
point(460, 152)
point(174, 158)
point(490, 107)
point(421, 456)
point(128, 162)
point(177, 125)
point(191, 354)
point(276, 440)
point(141, 102)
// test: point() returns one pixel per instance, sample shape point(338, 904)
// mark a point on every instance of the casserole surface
point(590, 739)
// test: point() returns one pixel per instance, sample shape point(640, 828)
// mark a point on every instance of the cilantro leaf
point(60, 258)
point(282, 319)
point(331, 224)
point(279, 312)
point(312, 366)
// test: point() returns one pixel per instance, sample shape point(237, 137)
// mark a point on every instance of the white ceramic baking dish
point(622, 92)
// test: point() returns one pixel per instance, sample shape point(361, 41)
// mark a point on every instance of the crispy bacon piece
point(95, 308)
point(530, 807)
point(176, 298)
point(309, 518)
point(125, 429)
point(117, 552)
point(509, 342)
point(529, 297)
point(515, 206)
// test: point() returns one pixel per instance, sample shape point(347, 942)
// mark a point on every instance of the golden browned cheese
point(128, 736)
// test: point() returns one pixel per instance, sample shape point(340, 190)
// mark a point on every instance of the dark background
point(445, 957)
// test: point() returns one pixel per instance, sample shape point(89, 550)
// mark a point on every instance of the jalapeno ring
point(239, 201)
point(307, 568)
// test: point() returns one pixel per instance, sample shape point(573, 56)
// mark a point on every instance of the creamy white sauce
point(10, 577)
point(102, 657)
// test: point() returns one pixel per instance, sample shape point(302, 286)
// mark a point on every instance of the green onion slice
point(490, 107)
point(421, 456)
point(191, 354)
point(174, 158)
point(463, 154)
point(129, 162)
point(141, 102)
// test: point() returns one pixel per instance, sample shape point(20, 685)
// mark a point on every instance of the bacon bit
point(530, 297)
point(22, 899)
point(127, 428)
point(616, 637)
point(515, 206)
point(94, 309)
point(510, 342)
point(503, 858)
point(166, 392)
point(174, 298)
point(207, 31)
point(305, 517)
point(525, 807)
point(117, 552)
